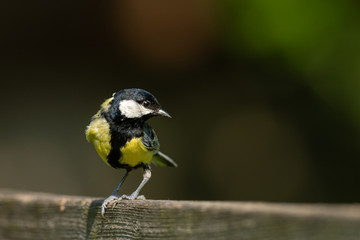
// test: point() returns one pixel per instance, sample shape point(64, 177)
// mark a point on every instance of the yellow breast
point(134, 152)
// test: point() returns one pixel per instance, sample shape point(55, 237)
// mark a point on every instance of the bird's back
point(98, 133)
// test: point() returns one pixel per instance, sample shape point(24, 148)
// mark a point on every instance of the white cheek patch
point(132, 109)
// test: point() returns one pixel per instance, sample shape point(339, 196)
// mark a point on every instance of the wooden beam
point(29, 215)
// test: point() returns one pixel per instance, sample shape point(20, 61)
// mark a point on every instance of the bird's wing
point(151, 142)
point(150, 139)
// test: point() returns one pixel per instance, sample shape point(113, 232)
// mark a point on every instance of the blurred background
point(264, 95)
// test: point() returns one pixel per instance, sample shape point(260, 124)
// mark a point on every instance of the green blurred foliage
point(320, 39)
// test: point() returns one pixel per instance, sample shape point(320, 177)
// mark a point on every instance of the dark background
point(264, 95)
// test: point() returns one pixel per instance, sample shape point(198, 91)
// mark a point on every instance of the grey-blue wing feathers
point(150, 139)
point(151, 142)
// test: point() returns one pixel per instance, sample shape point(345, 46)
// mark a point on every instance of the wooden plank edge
point(346, 211)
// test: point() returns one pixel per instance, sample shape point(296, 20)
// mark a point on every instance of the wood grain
point(29, 215)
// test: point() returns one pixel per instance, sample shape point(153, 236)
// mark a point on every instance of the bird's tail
point(163, 160)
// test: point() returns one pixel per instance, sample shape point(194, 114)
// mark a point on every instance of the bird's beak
point(163, 113)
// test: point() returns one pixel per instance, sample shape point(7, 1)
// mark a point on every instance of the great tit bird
point(123, 139)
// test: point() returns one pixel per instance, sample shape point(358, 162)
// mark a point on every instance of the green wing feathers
point(162, 160)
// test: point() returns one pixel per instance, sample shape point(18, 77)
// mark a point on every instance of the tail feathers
point(162, 160)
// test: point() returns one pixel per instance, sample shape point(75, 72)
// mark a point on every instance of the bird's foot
point(114, 202)
point(108, 201)
point(141, 197)
point(133, 197)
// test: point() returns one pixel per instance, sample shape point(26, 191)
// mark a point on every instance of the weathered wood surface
point(26, 215)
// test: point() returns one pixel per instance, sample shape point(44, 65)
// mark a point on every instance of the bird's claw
point(108, 201)
point(132, 197)
point(113, 200)
point(141, 197)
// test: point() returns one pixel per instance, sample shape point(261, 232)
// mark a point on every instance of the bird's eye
point(146, 103)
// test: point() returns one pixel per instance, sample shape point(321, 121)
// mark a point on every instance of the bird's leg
point(114, 195)
point(146, 177)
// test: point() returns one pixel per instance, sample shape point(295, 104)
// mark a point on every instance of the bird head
point(135, 105)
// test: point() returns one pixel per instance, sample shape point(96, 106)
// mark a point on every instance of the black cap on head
point(135, 103)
